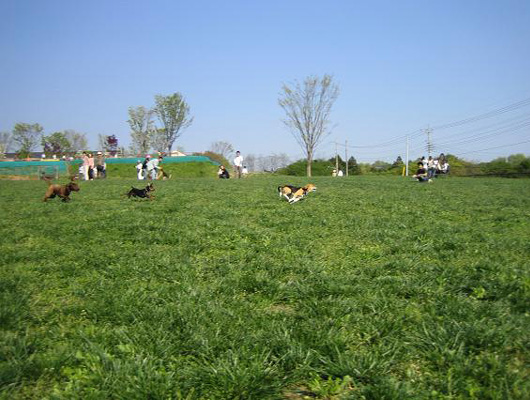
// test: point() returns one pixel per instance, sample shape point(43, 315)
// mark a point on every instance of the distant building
point(177, 153)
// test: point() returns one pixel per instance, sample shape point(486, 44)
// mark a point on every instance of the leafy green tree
point(460, 167)
point(524, 166)
point(516, 159)
point(398, 163)
point(174, 114)
point(27, 136)
point(307, 108)
point(498, 166)
point(353, 167)
point(380, 166)
point(334, 162)
point(299, 168)
point(56, 143)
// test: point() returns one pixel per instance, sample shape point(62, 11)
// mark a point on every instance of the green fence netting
point(56, 167)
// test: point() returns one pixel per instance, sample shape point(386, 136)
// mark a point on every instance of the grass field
point(370, 288)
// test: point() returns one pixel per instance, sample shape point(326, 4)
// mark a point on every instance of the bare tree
point(271, 162)
point(142, 129)
point(77, 140)
point(5, 143)
point(102, 142)
point(307, 107)
point(223, 148)
point(250, 162)
point(174, 114)
point(278, 161)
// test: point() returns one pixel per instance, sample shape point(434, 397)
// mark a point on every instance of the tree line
point(25, 138)
point(512, 166)
point(172, 117)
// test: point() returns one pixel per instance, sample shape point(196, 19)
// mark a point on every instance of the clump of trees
point(516, 164)
point(26, 137)
point(173, 115)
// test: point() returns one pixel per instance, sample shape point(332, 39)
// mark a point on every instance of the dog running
point(144, 193)
point(162, 175)
point(63, 191)
point(294, 193)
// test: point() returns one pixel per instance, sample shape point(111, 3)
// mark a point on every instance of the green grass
point(370, 288)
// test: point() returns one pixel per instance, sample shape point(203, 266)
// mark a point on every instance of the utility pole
point(336, 158)
point(407, 158)
point(346, 155)
point(428, 131)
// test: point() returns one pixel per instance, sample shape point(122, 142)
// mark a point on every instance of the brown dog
point(63, 191)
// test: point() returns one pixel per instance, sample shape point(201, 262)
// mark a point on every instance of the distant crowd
point(431, 167)
point(91, 168)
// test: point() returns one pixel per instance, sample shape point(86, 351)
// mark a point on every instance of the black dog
point(143, 193)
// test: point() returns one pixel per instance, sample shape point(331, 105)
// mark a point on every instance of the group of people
point(431, 167)
point(150, 168)
point(334, 173)
point(239, 169)
point(92, 168)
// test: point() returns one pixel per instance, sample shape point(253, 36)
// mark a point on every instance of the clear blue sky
point(401, 65)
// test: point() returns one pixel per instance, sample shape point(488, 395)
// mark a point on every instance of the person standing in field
point(140, 170)
point(101, 171)
point(238, 164)
point(91, 166)
point(144, 165)
point(85, 165)
point(155, 164)
point(150, 169)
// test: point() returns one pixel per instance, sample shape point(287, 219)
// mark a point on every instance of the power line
point(515, 119)
point(502, 110)
point(396, 145)
point(497, 147)
point(493, 133)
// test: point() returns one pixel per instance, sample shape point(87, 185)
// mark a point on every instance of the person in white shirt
point(152, 167)
point(139, 170)
point(431, 168)
point(238, 164)
point(340, 173)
